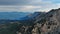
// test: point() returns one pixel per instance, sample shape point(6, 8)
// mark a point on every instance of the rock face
point(48, 23)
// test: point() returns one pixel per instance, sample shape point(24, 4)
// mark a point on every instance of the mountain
point(32, 16)
point(35, 23)
point(19, 15)
point(22, 17)
point(13, 15)
point(50, 22)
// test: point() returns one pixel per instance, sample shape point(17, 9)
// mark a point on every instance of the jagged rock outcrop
point(50, 22)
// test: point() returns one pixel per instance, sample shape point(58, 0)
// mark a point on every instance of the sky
point(29, 5)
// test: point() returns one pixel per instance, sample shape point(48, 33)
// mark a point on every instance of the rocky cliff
point(48, 23)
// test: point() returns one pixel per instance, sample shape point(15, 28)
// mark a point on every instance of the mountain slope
point(33, 15)
point(50, 22)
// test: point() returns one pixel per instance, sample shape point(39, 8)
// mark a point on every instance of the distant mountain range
point(22, 17)
point(13, 15)
point(18, 15)
point(33, 16)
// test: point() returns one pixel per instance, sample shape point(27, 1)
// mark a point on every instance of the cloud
point(27, 8)
point(31, 8)
point(13, 2)
point(18, 8)
point(49, 7)
point(29, 5)
point(23, 2)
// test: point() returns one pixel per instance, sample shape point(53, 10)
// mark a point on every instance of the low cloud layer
point(29, 5)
